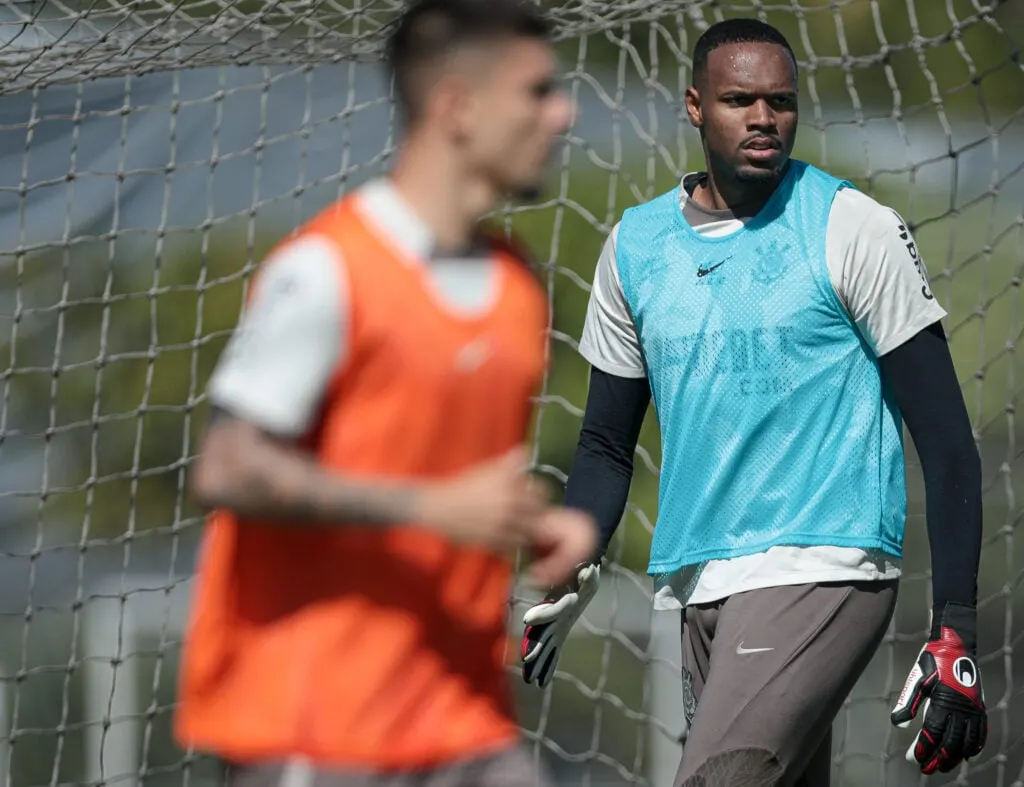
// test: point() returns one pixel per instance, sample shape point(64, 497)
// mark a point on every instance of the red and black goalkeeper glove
point(946, 683)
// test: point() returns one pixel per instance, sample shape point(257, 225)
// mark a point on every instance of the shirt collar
point(383, 204)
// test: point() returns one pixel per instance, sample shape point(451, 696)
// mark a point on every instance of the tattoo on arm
point(257, 475)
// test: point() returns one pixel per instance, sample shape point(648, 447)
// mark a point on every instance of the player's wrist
point(956, 618)
point(437, 507)
point(429, 507)
point(380, 503)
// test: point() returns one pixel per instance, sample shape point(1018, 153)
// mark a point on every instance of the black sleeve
point(921, 378)
point(602, 468)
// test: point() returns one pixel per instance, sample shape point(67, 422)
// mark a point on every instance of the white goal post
point(151, 151)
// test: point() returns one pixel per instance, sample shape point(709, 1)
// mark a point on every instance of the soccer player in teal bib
point(783, 324)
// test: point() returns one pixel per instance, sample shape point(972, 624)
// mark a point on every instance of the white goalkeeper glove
point(549, 621)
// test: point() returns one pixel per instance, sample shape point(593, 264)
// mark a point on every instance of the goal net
point(150, 153)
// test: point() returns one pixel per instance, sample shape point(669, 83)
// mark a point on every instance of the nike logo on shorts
point(740, 650)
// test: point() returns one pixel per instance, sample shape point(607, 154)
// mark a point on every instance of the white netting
point(150, 152)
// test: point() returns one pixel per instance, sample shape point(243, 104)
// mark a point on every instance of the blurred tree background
point(109, 347)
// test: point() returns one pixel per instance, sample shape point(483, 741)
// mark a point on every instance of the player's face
point(519, 114)
point(746, 109)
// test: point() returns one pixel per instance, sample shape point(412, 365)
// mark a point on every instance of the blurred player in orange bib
point(364, 461)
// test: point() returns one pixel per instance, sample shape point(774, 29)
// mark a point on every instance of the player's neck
point(721, 191)
point(439, 194)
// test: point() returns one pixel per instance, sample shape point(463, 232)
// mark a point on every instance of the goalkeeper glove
point(946, 678)
point(549, 621)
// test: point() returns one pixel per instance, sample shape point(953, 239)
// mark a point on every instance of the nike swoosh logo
point(702, 272)
point(741, 651)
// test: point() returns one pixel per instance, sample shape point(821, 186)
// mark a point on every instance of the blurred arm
point(602, 468)
point(266, 393)
point(922, 379)
point(253, 473)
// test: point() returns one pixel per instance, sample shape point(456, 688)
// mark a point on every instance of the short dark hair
point(735, 31)
point(430, 30)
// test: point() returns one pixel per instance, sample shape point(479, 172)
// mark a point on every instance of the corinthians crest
point(771, 263)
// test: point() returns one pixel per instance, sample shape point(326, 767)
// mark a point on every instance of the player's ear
point(693, 108)
point(454, 102)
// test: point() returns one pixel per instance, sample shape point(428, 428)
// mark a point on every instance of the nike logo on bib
point(473, 355)
point(740, 650)
point(701, 272)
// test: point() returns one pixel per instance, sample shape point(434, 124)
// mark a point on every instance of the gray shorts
point(764, 675)
point(515, 767)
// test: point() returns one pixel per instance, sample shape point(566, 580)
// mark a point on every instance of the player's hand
point(495, 504)
point(548, 623)
point(945, 687)
point(560, 540)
